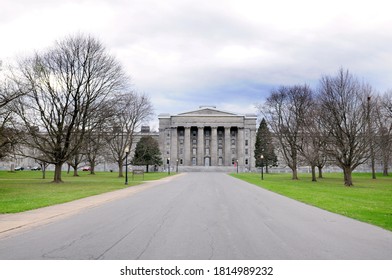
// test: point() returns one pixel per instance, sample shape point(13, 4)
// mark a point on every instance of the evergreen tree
point(265, 147)
point(147, 152)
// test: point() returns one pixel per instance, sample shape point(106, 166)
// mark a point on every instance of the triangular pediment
point(207, 112)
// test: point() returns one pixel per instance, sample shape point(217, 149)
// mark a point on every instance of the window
point(246, 161)
point(181, 161)
point(246, 142)
point(194, 151)
point(233, 151)
point(220, 152)
point(193, 161)
point(207, 133)
point(207, 151)
point(194, 132)
point(246, 151)
point(181, 151)
point(232, 141)
point(194, 141)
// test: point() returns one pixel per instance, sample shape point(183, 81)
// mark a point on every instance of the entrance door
point(207, 161)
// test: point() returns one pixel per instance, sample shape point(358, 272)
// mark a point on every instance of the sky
point(225, 53)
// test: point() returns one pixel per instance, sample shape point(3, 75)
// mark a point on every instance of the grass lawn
point(25, 190)
point(368, 201)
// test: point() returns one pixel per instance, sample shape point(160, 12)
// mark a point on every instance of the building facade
point(208, 137)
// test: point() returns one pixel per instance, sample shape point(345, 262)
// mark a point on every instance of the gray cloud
point(186, 52)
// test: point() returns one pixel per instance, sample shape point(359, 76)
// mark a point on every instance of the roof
point(208, 111)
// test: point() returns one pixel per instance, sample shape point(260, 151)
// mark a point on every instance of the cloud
point(223, 52)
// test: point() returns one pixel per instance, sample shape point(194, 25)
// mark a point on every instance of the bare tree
point(383, 119)
point(131, 109)
point(61, 88)
point(343, 102)
point(9, 136)
point(285, 110)
point(95, 142)
point(74, 161)
point(312, 142)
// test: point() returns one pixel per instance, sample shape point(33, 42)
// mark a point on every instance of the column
point(227, 146)
point(252, 141)
point(187, 146)
point(200, 146)
point(241, 147)
point(214, 146)
point(162, 143)
point(173, 146)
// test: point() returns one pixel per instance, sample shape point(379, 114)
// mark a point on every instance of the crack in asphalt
point(115, 243)
point(64, 247)
point(211, 242)
point(165, 217)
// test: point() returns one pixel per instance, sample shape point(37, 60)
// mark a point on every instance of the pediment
point(207, 112)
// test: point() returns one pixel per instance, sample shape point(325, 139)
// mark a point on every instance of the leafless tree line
point(69, 104)
point(343, 121)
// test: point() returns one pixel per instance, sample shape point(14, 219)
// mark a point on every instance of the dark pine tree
point(265, 147)
point(147, 152)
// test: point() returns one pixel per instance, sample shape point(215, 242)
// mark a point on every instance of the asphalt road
point(201, 216)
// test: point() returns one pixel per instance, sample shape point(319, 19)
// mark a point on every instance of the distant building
point(104, 163)
point(208, 137)
point(145, 129)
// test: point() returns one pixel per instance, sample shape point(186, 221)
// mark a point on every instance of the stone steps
point(225, 169)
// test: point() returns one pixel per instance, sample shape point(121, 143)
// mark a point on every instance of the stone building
point(208, 139)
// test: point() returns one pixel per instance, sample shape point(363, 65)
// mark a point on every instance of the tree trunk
point(294, 166)
point(295, 174)
point(120, 169)
point(320, 172)
point(57, 173)
point(348, 180)
point(92, 168)
point(75, 173)
point(385, 165)
point(44, 171)
point(314, 173)
point(147, 168)
point(68, 168)
point(373, 168)
point(266, 168)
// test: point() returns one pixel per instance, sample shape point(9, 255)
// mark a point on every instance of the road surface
point(201, 216)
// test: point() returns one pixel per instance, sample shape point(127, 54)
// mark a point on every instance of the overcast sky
point(227, 53)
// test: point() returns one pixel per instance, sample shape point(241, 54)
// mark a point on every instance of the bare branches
point(285, 111)
point(338, 123)
point(131, 109)
point(345, 117)
point(63, 88)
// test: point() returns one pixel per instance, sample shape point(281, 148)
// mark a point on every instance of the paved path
point(199, 216)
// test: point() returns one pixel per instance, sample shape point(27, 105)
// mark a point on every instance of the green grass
point(25, 190)
point(368, 201)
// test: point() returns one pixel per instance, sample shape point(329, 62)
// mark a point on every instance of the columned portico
point(187, 146)
point(209, 137)
point(241, 146)
point(227, 146)
point(200, 146)
point(214, 146)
